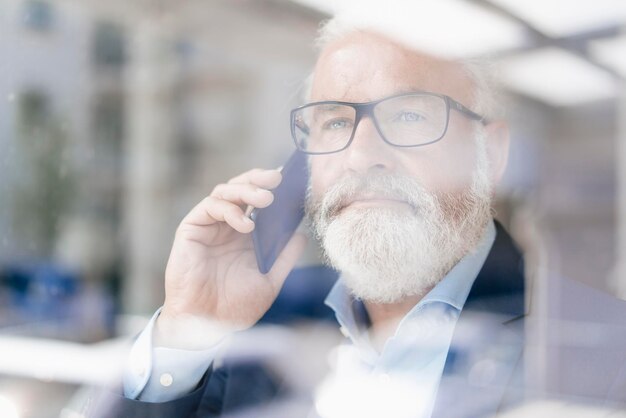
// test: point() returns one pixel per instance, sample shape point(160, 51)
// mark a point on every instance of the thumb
point(287, 259)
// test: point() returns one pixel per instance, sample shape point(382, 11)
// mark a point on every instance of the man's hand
point(212, 275)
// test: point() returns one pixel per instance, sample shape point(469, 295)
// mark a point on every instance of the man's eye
point(334, 124)
point(408, 116)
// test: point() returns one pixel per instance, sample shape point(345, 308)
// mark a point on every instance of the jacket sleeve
point(209, 393)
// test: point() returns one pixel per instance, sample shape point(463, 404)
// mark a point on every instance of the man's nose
point(368, 151)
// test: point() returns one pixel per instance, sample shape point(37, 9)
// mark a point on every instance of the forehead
point(364, 66)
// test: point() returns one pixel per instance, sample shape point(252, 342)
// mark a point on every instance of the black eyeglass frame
point(367, 109)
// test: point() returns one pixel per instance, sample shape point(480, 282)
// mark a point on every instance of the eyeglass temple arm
point(467, 112)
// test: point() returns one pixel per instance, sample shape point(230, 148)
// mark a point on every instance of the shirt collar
point(452, 290)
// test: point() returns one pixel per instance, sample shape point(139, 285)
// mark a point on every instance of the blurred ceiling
point(559, 52)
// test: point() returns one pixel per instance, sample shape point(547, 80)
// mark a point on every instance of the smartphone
point(276, 224)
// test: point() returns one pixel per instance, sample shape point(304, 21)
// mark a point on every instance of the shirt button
point(166, 379)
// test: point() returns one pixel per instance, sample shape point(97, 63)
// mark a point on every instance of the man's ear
point(498, 141)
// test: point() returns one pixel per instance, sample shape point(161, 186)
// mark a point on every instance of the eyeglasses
point(404, 120)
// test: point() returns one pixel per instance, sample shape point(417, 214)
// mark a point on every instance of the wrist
point(188, 332)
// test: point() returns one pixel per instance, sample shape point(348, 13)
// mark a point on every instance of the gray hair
point(481, 71)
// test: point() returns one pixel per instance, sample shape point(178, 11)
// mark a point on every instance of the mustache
point(381, 186)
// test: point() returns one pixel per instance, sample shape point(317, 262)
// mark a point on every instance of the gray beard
point(386, 254)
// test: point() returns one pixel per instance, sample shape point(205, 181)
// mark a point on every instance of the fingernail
point(262, 191)
point(247, 220)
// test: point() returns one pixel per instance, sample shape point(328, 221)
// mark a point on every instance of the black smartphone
point(276, 224)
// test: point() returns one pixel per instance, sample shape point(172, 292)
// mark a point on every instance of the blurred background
point(117, 117)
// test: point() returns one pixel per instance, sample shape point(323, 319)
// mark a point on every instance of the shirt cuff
point(159, 374)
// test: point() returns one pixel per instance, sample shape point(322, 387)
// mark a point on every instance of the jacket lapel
point(487, 343)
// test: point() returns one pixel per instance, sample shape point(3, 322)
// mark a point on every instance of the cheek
point(445, 166)
point(461, 171)
point(320, 175)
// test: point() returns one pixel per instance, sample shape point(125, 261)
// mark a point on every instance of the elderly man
point(404, 158)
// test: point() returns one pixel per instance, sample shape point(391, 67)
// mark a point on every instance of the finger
point(239, 222)
point(244, 194)
point(287, 259)
point(266, 179)
point(212, 210)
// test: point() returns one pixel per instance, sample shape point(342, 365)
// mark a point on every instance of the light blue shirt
point(416, 352)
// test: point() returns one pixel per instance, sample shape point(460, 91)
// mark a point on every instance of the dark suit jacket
point(493, 363)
